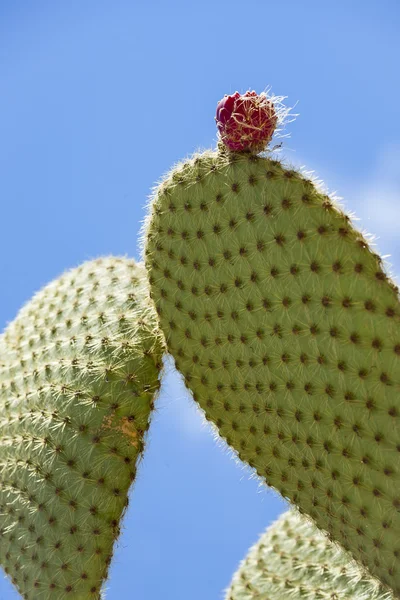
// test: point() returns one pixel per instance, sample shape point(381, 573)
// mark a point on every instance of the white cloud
point(372, 201)
point(377, 203)
point(379, 198)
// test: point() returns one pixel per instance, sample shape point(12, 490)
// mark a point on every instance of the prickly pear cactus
point(286, 328)
point(294, 560)
point(79, 371)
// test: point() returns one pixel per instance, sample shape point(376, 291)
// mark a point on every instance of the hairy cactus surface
point(286, 328)
point(79, 371)
point(294, 560)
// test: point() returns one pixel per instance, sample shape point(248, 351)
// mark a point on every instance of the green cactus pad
point(294, 560)
point(286, 329)
point(79, 371)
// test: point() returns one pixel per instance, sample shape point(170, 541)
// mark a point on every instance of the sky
point(98, 99)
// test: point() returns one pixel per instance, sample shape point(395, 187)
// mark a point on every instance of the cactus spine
point(294, 560)
point(79, 371)
point(286, 328)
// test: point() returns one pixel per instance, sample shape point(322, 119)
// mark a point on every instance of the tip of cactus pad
point(246, 122)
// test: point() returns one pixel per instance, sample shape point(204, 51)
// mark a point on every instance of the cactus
point(286, 328)
point(79, 371)
point(294, 560)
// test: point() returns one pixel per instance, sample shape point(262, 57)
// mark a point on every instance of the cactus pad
point(79, 371)
point(294, 560)
point(286, 329)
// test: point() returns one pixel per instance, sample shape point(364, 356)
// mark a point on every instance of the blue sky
point(98, 99)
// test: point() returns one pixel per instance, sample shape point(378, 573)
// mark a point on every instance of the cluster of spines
point(219, 313)
point(292, 559)
point(78, 377)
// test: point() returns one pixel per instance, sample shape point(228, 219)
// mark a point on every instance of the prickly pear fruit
point(246, 122)
point(286, 328)
point(292, 560)
point(79, 371)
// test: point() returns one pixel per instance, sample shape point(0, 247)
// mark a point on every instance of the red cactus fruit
point(246, 122)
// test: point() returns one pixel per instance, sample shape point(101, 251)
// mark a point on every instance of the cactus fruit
point(79, 371)
point(294, 560)
point(246, 122)
point(286, 328)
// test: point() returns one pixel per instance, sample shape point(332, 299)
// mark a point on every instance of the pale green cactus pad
point(79, 371)
point(293, 560)
point(286, 329)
